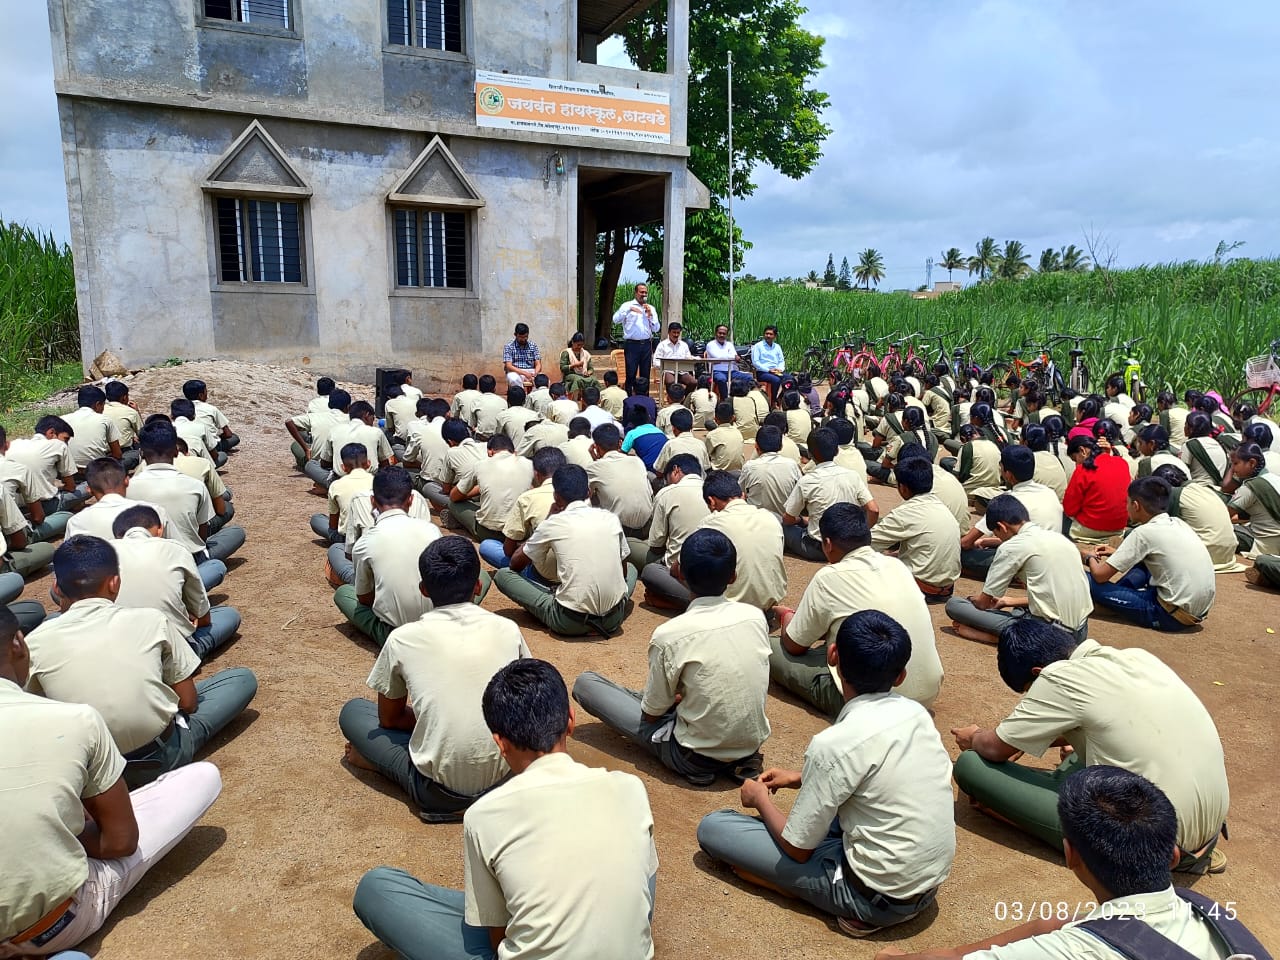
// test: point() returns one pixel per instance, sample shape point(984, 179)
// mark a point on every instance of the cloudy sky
point(1153, 126)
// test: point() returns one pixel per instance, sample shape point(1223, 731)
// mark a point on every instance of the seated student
point(846, 431)
point(539, 398)
point(486, 493)
point(1266, 438)
point(108, 482)
point(1124, 708)
point(675, 401)
point(1109, 438)
point(915, 431)
point(618, 482)
point(578, 448)
point(198, 393)
point(543, 434)
point(362, 428)
point(361, 515)
point(486, 409)
point(1265, 571)
point(799, 420)
point(1057, 589)
point(517, 418)
point(385, 594)
point(530, 509)
point(462, 454)
point(1017, 467)
point(592, 412)
point(612, 396)
point(871, 835)
point(750, 407)
point(331, 525)
point(203, 470)
point(29, 613)
point(579, 555)
point(642, 438)
point(1204, 512)
point(311, 430)
point(815, 492)
point(724, 443)
point(1097, 492)
point(300, 427)
point(47, 454)
point(131, 665)
point(425, 449)
point(158, 574)
point(561, 409)
point(20, 554)
point(1167, 580)
point(93, 433)
point(76, 841)
point(1154, 450)
point(855, 578)
point(460, 407)
point(201, 440)
point(128, 420)
point(937, 399)
point(682, 441)
point(702, 710)
point(426, 731)
point(519, 901)
point(977, 466)
point(1118, 829)
point(640, 400)
point(678, 509)
point(400, 409)
point(922, 530)
point(890, 425)
point(1255, 502)
point(1202, 452)
point(768, 478)
point(31, 491)
point(1049, 471)
point(186, 501)
point(702, 400)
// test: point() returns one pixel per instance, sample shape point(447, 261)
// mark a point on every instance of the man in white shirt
point(591, 410)
point(768, 361)
point(722, 349)
point(672, 348)
point(639, 323)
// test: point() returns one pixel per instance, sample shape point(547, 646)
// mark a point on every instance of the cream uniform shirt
point(562, 411)
point(158, 574)
point(578, 451)
point(501, 478)
point(756, 535)
point(386, 562)
point(1049, 565)
point(460, 461)
point(460, 408)
point(531, 509)
point(985, 470)
point(128, 421)
point(1043, 506)
point(122, 662)
point(1049, 473)
point(97, 519)
point(360, 515)
point(442, 663)
point(823, 486)
point(23, 483)
point(927, 537)
point(724, 448)
point(612, 399)
point(202, 469)
point(677, 512)
point(517, 840)
point(11, 518)
point(198, 439)
point(186, 501)
point(50, 458)
point(1264, 527)
point(866, 580)
point(1217, 456)
point(952, 493)
point(344, 489)
point(94, 433)
point(52, 757)
point(427, 448)
point(1126, 708)
point(684, 443)
point(715, 657)
point(485, 411)
point(1181, 570)
point(767, 481)
point(882, 771)
point(851, 458)
point(544, 433)
point(211, 415)
point(1204, 512)
point(663, 420)
point(620, 485)
point(581, 549)
point(376, 445)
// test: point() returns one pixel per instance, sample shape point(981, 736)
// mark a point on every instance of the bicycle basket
point(1261, 372)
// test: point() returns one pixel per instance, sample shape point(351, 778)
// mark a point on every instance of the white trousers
point(515, 380)
point(166, 810)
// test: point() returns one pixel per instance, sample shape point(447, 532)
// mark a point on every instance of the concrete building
point(353, 184)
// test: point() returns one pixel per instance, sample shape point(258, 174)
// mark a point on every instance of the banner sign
point(563, 106)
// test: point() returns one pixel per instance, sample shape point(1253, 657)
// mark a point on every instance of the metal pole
point(731, 264)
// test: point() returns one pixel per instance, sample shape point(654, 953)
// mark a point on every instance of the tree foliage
point(845, 282)
point(986, 255)
point(829, 275)
point(870, 267)
point(953, 259)
point(1012, 264)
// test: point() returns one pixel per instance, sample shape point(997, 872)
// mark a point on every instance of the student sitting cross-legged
point(426, 731)
point(531, 508)
point(923, 530)
point(871, 835)
point(702, 709)
point(131, 665)
point(1119, 835)
point(331, 525)
point(1110, 706)
point(560, 859)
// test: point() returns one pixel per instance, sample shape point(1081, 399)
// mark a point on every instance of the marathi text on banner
point(555, 106)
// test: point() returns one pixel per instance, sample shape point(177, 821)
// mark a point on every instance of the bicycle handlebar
point(1054, 338)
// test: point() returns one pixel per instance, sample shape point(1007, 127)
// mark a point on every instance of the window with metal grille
point(259, 241)
point(268, 13)
point(430, 24)
point(431, 248)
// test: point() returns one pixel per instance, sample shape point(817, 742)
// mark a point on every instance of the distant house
point(939, 288)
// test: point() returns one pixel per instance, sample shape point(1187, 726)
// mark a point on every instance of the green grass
point(20, 413)
point(1201, 321)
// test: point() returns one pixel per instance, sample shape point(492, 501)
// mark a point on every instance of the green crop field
point(1200, 321)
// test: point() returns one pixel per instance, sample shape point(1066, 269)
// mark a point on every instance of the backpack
point(1137, 940)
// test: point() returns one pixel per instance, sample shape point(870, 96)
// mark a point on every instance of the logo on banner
point(491, 100)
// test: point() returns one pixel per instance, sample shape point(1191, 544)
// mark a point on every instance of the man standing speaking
point(639, 323)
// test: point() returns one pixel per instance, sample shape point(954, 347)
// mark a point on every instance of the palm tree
point(813, 276)
point(1013, 264)
point(870, 267)
point(986, 255)
point(953, 259)
point(1074, 259)
point(1050, 262)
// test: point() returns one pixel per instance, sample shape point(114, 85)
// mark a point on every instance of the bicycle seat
point(1015, 353)
point(1076, 352)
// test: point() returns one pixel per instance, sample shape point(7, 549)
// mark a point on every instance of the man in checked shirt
point(521, 360)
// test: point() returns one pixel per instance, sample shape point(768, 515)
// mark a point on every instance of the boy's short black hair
point(769, 439)
point(339, 399)
point(1026, 643)
point(1006, 508)
point(570, 483)
point(720, 484)
point(158, 439)
point(521, 329)
point(606, 437)
point(682, 420)
point(9, 625)
point(724, 412)
point(360, 409)
point(1123, 827)
point(117, 391)
point(823, 444)
point(182, 407)
point(90, 396)
point(686, 463)
point(675, 390)
point(775, 418)
point(488, 383)
point(193, 389)
point(791, 400)
point(739, 387)
point(82, 565)
point(557, 390)
point(437, 407)
point(873, 649)
point(454, 431)
point(547, 461)
point(610, 378)
point(104, 475)
point(842, 427)
point(54, 423)
point(1019, 461)
point(423, 407)
point(845, 525)
point(515, 396)
point(708, 561)
point(354, 452)
point(1152, 493)
point(139, 516)
point(500, 442)
point(540, 380)
point(581, 427)
point(916, 474)
point(391, 487)
point(324, 386)
point(527, 704)
point(469, 381)
point(449, 568)
point(591, 396)
point(157, 418)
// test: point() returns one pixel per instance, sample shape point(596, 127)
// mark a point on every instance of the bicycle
point(1078, 372)
point(1135, 386)
point(1262, 374)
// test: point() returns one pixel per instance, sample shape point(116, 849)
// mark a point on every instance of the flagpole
point(731, 245)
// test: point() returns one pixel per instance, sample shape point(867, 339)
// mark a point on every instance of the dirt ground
point(270, 871)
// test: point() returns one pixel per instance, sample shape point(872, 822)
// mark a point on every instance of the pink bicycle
point(894, 360)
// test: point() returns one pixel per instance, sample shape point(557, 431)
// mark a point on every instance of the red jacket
point(1099, 499)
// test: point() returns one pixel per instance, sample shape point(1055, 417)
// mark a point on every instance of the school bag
point(1138, 940)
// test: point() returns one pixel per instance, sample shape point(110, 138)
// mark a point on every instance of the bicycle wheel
point(914, 367)
point(1262, 399)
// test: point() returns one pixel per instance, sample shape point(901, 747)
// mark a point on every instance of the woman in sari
point(576, 368)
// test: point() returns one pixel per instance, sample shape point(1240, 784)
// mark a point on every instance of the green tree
point(829, 275)
point(813, 277)
point(846, 276)
point(953, 259)
point(1050, 261)
point(1012, 264)
point(870, 267)
point(985, 256)
point(776, 114)
point(1073, 259)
